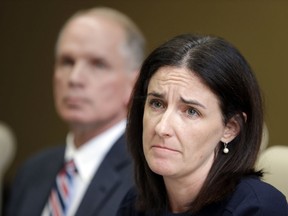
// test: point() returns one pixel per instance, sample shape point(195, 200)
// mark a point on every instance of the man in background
point(98, 54)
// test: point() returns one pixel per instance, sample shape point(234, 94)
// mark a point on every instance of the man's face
point(91, 81)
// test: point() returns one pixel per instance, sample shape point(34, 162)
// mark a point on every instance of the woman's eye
point(192, 112)
point(156, 104)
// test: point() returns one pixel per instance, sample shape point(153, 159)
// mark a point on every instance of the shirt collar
point(89, 156)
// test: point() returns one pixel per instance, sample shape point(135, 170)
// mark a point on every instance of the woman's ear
point(232, 129)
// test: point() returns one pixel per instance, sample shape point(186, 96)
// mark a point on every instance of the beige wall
point(28, 30)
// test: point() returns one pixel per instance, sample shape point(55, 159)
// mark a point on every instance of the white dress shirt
point(87, 159)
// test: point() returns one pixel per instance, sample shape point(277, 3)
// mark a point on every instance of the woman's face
point(182, 124)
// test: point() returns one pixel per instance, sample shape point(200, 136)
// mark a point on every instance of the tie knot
point(70, 167)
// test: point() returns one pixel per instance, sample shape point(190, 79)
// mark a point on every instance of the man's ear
point(232, 129)
point(130, 85)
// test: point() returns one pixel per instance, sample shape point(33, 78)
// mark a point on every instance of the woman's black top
point(252, 197)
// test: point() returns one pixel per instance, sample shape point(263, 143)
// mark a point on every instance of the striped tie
point(62, 190)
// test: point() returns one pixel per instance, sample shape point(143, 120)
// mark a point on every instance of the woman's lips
point(164, 148)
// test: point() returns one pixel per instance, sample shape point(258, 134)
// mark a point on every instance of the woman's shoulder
point(255, 197)
point(128, 205)
point(129, 199)
point(259, 189)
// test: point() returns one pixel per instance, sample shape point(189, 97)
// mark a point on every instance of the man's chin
point(76, 120)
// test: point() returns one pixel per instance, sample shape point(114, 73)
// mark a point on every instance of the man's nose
point(77, 73)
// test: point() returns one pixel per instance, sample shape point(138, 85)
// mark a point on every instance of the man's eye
point(66, 61)
point(99, 63)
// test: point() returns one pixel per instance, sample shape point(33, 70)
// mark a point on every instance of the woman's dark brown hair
point(225, 71)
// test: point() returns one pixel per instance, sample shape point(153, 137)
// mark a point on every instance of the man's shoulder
point(47, 153)
point(43, 159)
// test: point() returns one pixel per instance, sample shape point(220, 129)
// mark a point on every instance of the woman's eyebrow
point(186, 101)
point(155, 94)
point(192, 102)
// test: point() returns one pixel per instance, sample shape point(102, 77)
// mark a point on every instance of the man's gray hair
point(134, 46)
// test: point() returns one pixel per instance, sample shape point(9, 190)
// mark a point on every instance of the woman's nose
point(164, 127)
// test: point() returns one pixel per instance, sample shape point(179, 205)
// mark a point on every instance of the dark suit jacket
point(252, 197)
point(34, 180)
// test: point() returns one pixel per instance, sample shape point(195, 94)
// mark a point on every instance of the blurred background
point(29, 28)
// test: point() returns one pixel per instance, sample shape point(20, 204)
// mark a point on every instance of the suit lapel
point(98, 191)
point(44, 178)
point(105, 181)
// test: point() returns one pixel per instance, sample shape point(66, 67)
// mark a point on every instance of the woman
point(194, 131)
